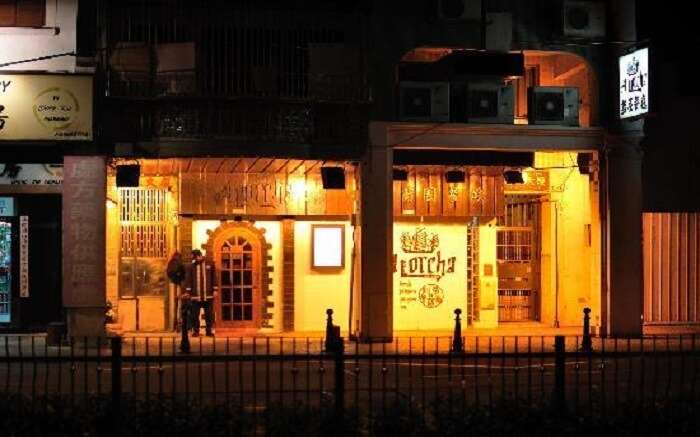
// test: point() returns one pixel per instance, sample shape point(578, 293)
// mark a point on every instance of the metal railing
point(254, 373)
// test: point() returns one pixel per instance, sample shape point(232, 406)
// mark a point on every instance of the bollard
point(457, 343)
point(586, 343)
point(332, 332)
point(559, 396)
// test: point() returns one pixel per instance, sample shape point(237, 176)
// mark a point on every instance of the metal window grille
point(142, 216)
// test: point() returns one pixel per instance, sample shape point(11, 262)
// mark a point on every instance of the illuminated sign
point(328, 243)
point(45, 107)
point(7, 206)
point(634, 84)
point(31, 174)
point(430, 274)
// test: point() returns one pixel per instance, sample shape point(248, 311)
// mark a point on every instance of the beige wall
point(315, 291)
point(569, 209)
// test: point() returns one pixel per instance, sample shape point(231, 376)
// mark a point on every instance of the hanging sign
point(23, 256)
point(54, 107)
point(634, 84)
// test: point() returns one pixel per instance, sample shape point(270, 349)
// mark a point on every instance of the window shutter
point(30, 13)
point(22, 13)
point(8, 12)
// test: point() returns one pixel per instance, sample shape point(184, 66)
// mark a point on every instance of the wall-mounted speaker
point(333, 178)
point(583, 160)
point(128, 175)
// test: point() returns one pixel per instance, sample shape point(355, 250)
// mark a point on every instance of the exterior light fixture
point(513, 177)
point(400, 174)
point(454, 176)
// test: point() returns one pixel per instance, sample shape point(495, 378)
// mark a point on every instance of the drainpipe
point(556, 263)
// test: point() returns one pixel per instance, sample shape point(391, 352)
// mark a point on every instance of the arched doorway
point(237, 251)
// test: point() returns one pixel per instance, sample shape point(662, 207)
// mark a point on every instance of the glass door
point(238, 305)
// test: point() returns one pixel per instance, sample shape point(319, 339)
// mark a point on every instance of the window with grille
point(142, 216)
point(22, 13)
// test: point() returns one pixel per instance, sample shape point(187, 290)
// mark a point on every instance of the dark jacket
point(200, 283)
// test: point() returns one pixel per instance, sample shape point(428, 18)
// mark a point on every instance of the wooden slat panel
point(435, 179)
point(396, 197)
point(489, 196)
point(422, 184)
point(671, 267)
point(475, 194)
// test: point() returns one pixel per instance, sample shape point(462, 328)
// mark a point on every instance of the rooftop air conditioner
point(490, 103)
point(424, 101)
point(584, 19)
point(553, 105)
point(459, 9)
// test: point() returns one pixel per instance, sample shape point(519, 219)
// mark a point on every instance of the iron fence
point(254, 373)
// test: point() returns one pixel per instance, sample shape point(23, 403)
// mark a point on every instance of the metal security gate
point(517, 248)
point(144, 251)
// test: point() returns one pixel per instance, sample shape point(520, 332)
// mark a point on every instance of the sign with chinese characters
point(84, 194)
point(429, 274)
point(54, 107)
point(634, 83)
point(23, 256)
point(31, 174)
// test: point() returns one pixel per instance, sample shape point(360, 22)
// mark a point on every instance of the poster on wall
point(31, 174)
point(23, 256)
point(429, 274)
point(55, 107)
point(634, 84)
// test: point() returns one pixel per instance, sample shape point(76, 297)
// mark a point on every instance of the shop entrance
point(238, 264)
point(518, 249)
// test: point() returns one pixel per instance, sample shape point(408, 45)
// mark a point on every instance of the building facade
point(392, 162)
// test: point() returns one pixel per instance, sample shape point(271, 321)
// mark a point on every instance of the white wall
point(57, 36)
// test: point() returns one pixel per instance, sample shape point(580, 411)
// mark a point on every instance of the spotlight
point(128, 175)
point(454, 176)
point(513, 177)
point(400, 175)
point(333, 178)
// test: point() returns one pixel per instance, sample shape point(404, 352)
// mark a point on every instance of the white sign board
point(54, 107)
point(31, 174)
point(23, 256)
point(634, 84)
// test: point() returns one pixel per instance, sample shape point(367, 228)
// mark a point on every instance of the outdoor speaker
point(583, 160)
point(513, 177)
point(454, 176)
point(128, 175)
point(400, 175)
point(333, 178)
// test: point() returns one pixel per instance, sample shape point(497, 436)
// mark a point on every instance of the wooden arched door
point(237, 255)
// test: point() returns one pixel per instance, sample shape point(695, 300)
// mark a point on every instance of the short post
point(116, 375)
point(331, 339)
point(586, 343)
point(339, 358)
point(559, 397)
point(457, 343)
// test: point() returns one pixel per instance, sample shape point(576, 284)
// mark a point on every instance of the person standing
point(176, 273)
point(200, 285)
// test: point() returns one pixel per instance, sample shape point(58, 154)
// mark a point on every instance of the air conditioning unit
point(489, 103)
point(553, 105)
point(424, 101)
point(459, 9)
point(584, 19)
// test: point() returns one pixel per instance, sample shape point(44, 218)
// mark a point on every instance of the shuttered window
point(22, 13)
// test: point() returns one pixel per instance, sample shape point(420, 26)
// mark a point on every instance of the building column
point(624, 246)
point(376, 221)
point(84, 217)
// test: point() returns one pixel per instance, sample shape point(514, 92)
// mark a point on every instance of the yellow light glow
point(526, 176)
point(297, 188)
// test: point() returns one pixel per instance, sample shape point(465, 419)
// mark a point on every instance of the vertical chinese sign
point(84, 194)
point(634, 84)
point(23, 256)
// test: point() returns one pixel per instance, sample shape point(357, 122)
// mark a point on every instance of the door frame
point(260, 273)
